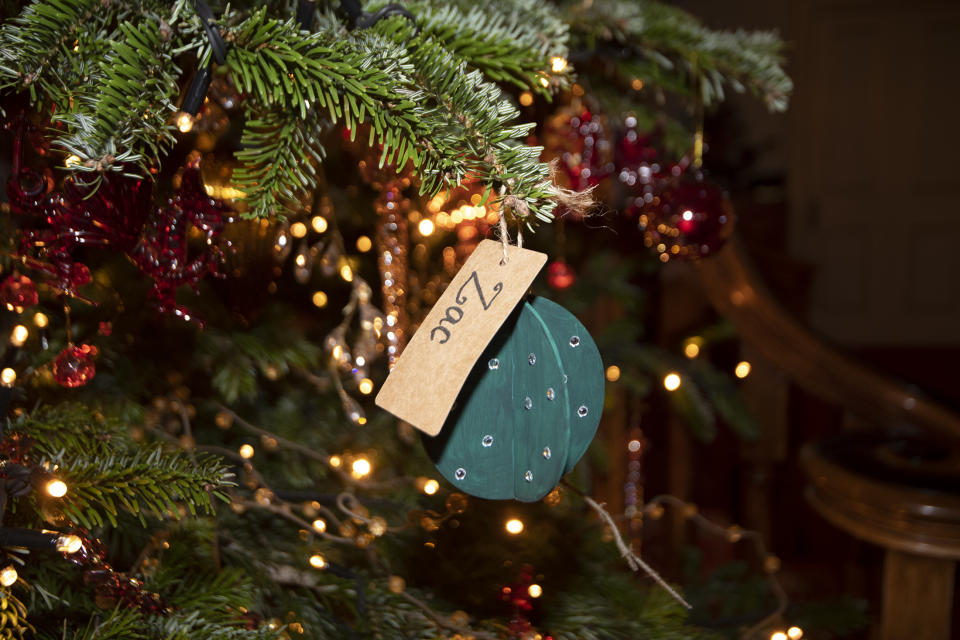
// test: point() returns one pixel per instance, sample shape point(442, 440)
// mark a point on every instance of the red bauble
point(690, 218)
point(74, 367)
point(18, 292)
point(560, 275)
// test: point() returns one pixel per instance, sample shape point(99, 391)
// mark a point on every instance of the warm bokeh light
point(8, 575)
point(346, 273)
point(558, 64)
point(317, 561)
point(535, 590)
point(671, 382)
point(360, 468)
point(613, 373)
point(41, 320)
point(8, 376)
point(72, 160)
point(526, 98)
point(634, 446)
point(319, 299)
point(742, 370)
point(298, 230)
point(335, 461)
point(513, 526)
point(246, 451)
point(637, 84)
point(425, 227)
point(19, 335)
point(319, 525)
point(691, 348)
point(430, 487)
point(184, 122)
point(69, 543)
point(56, 488)
point(319, 224)
point(365, 386)
point(795, 633)
point(544, 82)
point(364, 244)
point(778, 635)
point(301, 260)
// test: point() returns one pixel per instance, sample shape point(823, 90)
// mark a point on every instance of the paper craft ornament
point(528, 410)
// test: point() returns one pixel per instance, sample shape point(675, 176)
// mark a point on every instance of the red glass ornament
point(18, 292)
point(74, 366)
point(690, 219)
point(560, 275)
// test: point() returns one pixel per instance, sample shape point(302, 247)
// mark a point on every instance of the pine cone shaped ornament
point(528, 410)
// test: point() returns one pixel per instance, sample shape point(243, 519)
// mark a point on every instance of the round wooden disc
point(529, 409)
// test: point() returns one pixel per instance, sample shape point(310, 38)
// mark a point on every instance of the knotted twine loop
point(521, 209)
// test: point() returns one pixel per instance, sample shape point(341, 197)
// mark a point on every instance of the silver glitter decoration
point(550, 394)
point(494, 363)
point(546, 452)
point(528, 476)
point(532, 358)
point(575, 341)
point(528, 403)
point(460, 473)
point(582, 411)
point(487, 441)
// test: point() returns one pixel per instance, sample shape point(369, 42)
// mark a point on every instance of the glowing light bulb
point(346, 273)
point(365, 386)
point(56, 488)
point(364, 244)
point(426, 227)
point(613, 373)
point(795, 633)
point(335, 461)
point(742, 370)
point(319, 224)
point(535, 590)
point(319, 525)
point(69, 543)
point(8, 376)
point(319, 299)
point(558, 64)
point(430, 487)
point(185, 122)
point(544, 83)
point(778, 635)
point(246, 451)
point(72, 160)
point(8, 575)
point(19, 335)
point(513, 526)
point(301, 260)
point(41, 320)
point(360, 468)
point(671, 382)
point(298, 230)
point(317, 561)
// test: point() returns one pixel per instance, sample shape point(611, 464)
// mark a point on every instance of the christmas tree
point(226, 222)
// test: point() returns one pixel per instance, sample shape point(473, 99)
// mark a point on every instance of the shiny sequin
point(487, 441)
point(493, 364)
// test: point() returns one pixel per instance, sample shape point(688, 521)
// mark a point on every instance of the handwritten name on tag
point(427, 378)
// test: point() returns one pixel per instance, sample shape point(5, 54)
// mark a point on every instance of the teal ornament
point(528, 410)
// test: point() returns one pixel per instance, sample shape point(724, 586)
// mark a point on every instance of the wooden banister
point(737, 292)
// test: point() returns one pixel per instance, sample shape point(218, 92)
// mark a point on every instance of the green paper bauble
point(528, 410)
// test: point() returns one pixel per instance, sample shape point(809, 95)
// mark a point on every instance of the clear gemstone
point(582, 411)
point(494, 363)
point(528, 476)
point(487, 441)
point(528, 403)
point(550, 394)
point(546, 452)
point(575, 341)
point(460, 473)
point(532, 358)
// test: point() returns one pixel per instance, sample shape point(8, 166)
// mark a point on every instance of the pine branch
point(125, 117)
